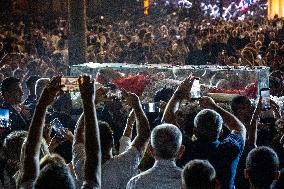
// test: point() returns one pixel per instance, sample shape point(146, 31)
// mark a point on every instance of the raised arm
point(142, 123)
point(182, 92)
point(92, 137)
point(79, 133)
point(232, 122)
point(125, 140)
point(129, 125)
point(252, 130)
point(33, 142)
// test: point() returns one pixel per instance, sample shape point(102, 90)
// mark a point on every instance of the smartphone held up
point(265, 99)
point(195, 92)
point(57, 127)
point(4, 118)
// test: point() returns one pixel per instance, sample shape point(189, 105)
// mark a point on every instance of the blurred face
point(261, 38)
point(271, 35)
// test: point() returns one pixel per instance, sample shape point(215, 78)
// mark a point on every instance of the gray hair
point(208, 123)
point(40, 84)
point(166, 139)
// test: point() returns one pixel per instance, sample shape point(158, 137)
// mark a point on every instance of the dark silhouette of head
point(54, 173)
point(262, 167)
point(12, 91)
point(208, 124)
point(194, 171)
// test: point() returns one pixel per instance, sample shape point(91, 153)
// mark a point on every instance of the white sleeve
point(127, 163)
point(124, 144)
point(78, 160)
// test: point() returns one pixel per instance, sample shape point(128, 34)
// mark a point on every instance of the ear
point(246, 174)
point(277, 175)
point(180, 152)
point(152, 151)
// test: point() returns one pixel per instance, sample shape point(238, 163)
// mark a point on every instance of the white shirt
point(116, 172)
point(163, 175)
point(124, 144)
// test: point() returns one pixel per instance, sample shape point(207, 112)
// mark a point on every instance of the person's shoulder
point(142, 177)
point(235, 135)
point(132, 150)
point(233, 144)
point(128, 155)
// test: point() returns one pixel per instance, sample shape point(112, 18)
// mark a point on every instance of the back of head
point(208, 124)
point(8, 84)
point(262, 163)
point(239, 102)
point(166, 139)
point(54, 174)
point(194, 171)
point(106, 137)
point(51, 159)
point(12, 150)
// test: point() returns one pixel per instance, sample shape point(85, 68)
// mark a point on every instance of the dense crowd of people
point(114, 143)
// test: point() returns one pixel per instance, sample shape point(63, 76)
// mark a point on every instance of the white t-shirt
point(116, 172)
point(163, 175)
point(124, 144)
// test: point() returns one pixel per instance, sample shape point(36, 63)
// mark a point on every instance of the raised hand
point(130, 99)
point(68, 135)
point(87, 87)
point(51, 91)
point(184, 89)
point(207, 102)
point(101, 94)
point(131, 117)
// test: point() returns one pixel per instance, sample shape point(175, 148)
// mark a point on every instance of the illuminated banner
point(275, 7)
point(146, 7)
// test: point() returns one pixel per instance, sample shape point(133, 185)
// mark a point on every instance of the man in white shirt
point(166, 146)
point(117, 170)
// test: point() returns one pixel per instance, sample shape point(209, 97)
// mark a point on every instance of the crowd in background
point(31, 53)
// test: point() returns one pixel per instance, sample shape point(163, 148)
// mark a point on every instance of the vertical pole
point(77, 43)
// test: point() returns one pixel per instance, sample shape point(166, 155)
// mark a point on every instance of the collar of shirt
point(165, 163)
